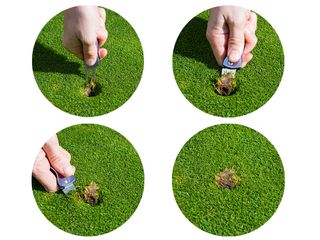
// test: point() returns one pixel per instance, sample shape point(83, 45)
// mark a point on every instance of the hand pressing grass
point(196, 70)
point(61, 76)
point(228, 180)
point(109, 182)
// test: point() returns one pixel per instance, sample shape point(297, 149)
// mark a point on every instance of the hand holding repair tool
point(230, 66)
point(66, 184)
point(91, 70)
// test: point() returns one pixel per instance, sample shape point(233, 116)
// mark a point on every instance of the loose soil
point(91, 194)
point(225, 84)
point(91, 89)
point(227, 179)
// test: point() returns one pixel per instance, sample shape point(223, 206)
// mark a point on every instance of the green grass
point(196, 71)
point(228, 212)
point(107, 158)
point(61, 76)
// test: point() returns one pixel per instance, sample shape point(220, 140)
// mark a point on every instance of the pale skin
point(83, 26)
point(231, 32)
point(52, 154)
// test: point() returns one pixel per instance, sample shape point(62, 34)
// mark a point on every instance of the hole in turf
point(91, 194)
point(92, 89)
point(227, 179)
point(226, 84)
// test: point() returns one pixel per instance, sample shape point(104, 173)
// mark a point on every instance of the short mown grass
point(106, 158)
point(196, 70)
point(259, 172)
point(61, 76)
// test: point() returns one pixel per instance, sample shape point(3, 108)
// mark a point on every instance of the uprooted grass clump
point(120, 184)
point(89, 89)
point(227, 179)
point(196, 70)
point(60, 76)
point(225, 84)
point(91, 194)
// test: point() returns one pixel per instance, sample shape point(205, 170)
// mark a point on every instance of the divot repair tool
point(64, 183)
point(230, 66)
point(91, 70)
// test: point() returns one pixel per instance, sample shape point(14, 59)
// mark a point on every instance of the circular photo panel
point(87, 61)
point(228, 61)
point(228, 180)
point(87, 179)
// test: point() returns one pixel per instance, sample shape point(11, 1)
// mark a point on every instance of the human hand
point(83, 26)
point(52, 155)
point(231, 32)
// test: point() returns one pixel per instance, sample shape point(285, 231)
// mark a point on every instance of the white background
point(158, 120)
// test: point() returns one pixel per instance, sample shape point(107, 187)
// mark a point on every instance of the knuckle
point(67, 155)
point(236, 41)
point(91, 52)
point(55, 158)
point(37, 170)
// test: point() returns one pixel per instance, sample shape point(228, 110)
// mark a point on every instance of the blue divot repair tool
point(64, 183)
point(230, 66)
point(91, 70)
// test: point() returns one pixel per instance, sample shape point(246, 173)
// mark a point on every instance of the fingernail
point(90, 61)
point(68, 170)
point(234, 56)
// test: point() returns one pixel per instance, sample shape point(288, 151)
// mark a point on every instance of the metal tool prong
point(228, 70)
point(68, 188)
point(92, 69)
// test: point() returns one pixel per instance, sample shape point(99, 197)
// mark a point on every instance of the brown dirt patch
point(225, 84)
point(227, 179)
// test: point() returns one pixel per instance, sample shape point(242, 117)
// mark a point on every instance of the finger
point(102, 36)
point(250, 41)
point(217, 35)
point(41, 172)
point(78, 54)
point(58, 159)
point(218, 43)
point(102, 13)
point(235, 41)
point(65, 154)
point(102, 53)
point(101, 24)
point(249, 34)
point(252, 22)
point(74, 48)
point(90, 52)
point(246, 58)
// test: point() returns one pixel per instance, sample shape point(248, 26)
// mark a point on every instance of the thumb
point(90, 52)
point(58, 158)
point(235, 42)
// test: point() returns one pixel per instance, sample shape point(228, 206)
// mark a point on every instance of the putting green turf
point(61, 76)
point(104, 156)
point(196, 71)
point(223, 211)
